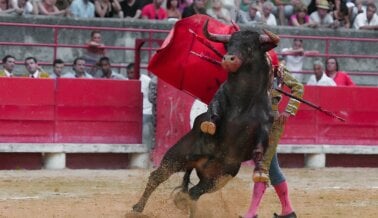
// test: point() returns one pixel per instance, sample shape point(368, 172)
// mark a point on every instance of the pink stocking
point(283, 194)
point(257, 194)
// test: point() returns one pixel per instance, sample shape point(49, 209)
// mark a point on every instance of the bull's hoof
point(259, 176)
point(208, 127)
point(182, 201)
point(290, 215)
point(138, 208)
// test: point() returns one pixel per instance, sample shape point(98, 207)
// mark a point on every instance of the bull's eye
point(233, 58)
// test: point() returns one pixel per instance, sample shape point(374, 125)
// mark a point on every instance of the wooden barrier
point(55, 117)
point(310, 132)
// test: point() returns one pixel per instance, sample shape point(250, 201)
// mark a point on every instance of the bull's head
point(234, 58)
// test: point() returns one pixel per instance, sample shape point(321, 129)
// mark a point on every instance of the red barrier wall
point(358, 105)
point(98, 111)
point(69, 111)
point(27, 110)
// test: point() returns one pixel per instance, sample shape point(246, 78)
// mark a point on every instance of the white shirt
point(271, 20)
point(35, 74)
point(315, 18)
point(145, 84)
point(8, 73)
point(294, 63)
point(73, 75)
point(324, 81)
point(361, 20)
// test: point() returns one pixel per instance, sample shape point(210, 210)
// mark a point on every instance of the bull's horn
point(215, 37)
point(269, 37)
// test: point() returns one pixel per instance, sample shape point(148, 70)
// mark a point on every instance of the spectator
point(294, 57)
point(62, 4)
point(58, 66)
point(218, 11)
point(78, 70)
point(253, 15)
point(367, 20)
point(267, 17)
point(108, 8)
point(284, 9)
point(184, 3)
point(320, 78)
point(244, 5)
point(5, 7)
point(106, 69)
point(340, 78)
point(131, 9)
point(34, 71)
point(173, 11)
point(95, 50)
point(82, 9)
point(321, 17)
point(154, 11)
point(300, 17)
point(23, 7)
point(341, 17)
point(197, 7)
point(8, 64)
point(47, 7)
point(147, 106)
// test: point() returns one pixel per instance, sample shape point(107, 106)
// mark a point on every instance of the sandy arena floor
point(330, 192)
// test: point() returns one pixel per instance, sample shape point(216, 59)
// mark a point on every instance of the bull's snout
point(231, 63)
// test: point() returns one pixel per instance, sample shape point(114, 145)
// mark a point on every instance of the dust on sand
point(328, 192)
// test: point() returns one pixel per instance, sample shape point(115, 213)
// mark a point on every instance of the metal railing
point(57, 28)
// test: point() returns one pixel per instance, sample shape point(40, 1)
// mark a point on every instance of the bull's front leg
point(214, 113)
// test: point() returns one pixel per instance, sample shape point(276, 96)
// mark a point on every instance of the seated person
point(367, 20)
point(154, 11)
point(58, 66)
point(34, 71)
point(300, 17)
point(106, 69)
point(218, 11)
point(78, 70)
point(108, 8)
point(8, 65)
point(47, 7)
point(23, 7)
point(320, 78)
point(321, 17)
point(131, 9)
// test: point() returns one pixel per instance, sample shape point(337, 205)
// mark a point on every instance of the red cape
point(176, 64)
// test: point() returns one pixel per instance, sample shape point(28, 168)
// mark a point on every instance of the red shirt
point(342, 79)
point(152, 14)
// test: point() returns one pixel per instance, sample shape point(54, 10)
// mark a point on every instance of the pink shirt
point(294, 17)
point(342, 79)
point(152, 14)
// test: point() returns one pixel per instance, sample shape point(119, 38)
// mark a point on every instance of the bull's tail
point(184, 187)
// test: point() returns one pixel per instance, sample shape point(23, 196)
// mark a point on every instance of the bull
point(233, 130)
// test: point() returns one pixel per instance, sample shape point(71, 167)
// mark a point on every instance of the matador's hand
point(282, 118)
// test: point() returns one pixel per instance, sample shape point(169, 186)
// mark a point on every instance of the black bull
point(244, 117)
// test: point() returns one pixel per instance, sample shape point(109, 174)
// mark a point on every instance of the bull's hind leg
point(206, 185)
point(158, 176)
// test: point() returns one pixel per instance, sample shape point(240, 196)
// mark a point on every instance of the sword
point(317, 107)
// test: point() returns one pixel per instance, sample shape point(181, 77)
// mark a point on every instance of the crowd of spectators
point(357, 14)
